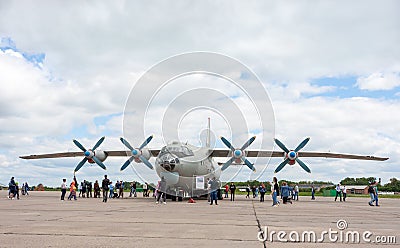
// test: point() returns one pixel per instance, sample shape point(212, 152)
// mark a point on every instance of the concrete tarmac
point(42, 220)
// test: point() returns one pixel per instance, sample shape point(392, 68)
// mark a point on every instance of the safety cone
point(191, 200)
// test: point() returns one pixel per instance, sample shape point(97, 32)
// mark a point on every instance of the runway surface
point(42, 220)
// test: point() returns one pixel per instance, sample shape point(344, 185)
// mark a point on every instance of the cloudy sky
point(331, 70)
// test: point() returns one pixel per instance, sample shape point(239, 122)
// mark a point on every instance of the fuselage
point(180, 164)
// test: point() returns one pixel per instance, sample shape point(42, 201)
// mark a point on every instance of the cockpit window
point(179, 151)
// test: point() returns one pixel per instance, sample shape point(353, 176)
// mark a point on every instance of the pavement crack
point(259, 225)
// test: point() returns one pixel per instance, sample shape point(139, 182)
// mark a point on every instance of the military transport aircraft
point(179, 163)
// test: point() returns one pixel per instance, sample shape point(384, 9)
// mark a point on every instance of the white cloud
point(379, 81)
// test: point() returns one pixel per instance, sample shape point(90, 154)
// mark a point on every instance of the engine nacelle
point(101, 155)
point(291, 155)
point(145, 153)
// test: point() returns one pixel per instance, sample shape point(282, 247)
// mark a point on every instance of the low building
point(357, 189)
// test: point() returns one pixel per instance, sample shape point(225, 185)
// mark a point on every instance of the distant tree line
point(392, 186)
point(290, 183)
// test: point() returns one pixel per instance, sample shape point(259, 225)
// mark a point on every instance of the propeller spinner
point(238, 155)
point(137, 153)
point(89, 154)
point(292, 156)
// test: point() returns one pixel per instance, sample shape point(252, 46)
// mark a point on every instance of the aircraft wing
point(54, 155)
point(253, 153)
point(153, 152)
point(340, 155)
point(80, 154)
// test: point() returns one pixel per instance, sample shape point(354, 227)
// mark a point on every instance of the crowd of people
point(105, 190)
point(14, 189)
point(87, 189)
point(287, 193)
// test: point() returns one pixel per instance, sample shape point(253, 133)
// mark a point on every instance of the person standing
point(371, 192)
point(104, 186)
point(133, 189)
point(89, 189)
point(338, 192)
point(111, 187)
point(23, 189)
point(83, 188)
point(96, 187)
point(26, 188)
point(214, 185)
point(145, 188)
point(121, 189)
point(72, 191)
point(285, 193)
point(75, 180)
point(162, 190)
point(248, 191)
point(157, 191)
point(344, 192)
point(63, 189)
point(376, 194)
point(275, 192)
point(11, 188)
point(232, 188)
point(80, 189)
point(296, 193)
point(312, 192)
point(226, 190)
point(16, 190)
point(262, 192)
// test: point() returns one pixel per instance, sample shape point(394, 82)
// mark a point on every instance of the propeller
point(292, 155)
point(89, 154)
point(238, 155)
point(136, 153)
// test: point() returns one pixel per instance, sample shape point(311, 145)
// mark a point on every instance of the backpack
point(371, 189)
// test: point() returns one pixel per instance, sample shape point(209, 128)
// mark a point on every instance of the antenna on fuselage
point(208, 134)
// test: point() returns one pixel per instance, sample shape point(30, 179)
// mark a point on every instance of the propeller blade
point(80, 164)
point(228, 144)
point(126, 143)
point(79, 145)
point(227, 163)
point(281, 145)
point(251, 140)
point(302, 144)
point(98, 143)
point(303, 165)
point(99, 162)
point(127, 163)
point(250, 165)
point(146, 162)
point(280, 167)
point(146, 142)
